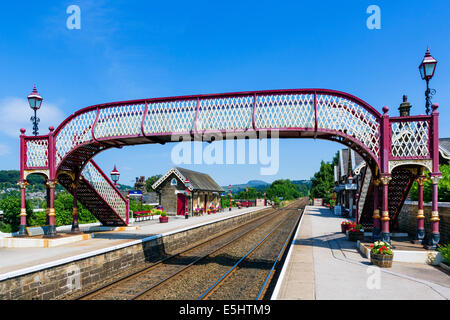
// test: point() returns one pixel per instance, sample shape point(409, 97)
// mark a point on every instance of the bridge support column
point(51, 213)
point(420, 234)
point(376, 232)
point(23, 210)
point(385, 235)
point(75, 226)
point(47, 210)
point(435, 236)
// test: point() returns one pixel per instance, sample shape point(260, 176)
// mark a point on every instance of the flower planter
point(381, 260)
point(345, 227)
point(163, 219)
point(355, 236)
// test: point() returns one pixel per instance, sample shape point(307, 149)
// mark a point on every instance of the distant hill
point(303, 185)
point(257, 184)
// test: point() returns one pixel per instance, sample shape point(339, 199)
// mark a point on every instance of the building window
point(173, 182)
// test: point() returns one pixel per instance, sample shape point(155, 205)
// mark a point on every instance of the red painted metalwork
point(377, 151)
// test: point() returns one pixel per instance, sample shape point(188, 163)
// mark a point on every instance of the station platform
point(17, 261)
point(322, 265)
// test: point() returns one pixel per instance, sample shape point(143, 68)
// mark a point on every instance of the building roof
point(444, 148)
point(199, 181)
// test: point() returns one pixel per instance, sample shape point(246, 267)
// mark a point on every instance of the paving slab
point(323, 265)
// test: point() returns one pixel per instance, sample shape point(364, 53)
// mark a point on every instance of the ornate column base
point(51, 233)
point(435, 234)
point(420, 237)
point(420, 233)
point(23, 223)
point(386, 237)
point(385, 234)
point(75, 227)
point(376, 234)
point(434, 240)
point(376, 231)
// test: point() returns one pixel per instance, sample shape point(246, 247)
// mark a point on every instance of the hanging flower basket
point(381, 254)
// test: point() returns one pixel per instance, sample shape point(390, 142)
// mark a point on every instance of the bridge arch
point(65, 154)
point(294, 113)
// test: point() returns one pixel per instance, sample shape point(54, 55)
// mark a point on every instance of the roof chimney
point(405, 106)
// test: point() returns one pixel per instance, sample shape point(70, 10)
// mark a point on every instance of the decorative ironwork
point(103, 187)
point(411, 139)
point(326, 114)
point(37, 153)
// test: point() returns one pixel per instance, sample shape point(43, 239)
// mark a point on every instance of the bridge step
point(97, 194)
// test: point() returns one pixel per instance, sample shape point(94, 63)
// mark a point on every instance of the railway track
point(188, 274)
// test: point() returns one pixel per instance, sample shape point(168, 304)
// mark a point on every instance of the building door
point(181, 204)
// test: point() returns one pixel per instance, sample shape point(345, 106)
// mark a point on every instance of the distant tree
point(150, 181)
point(443, 187)
point(64, 209)
point(11, 213)
point(252, 194)
point(323, 180)
point(283, 188)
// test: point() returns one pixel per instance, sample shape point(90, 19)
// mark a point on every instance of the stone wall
point(71, 278)
point(407, 221)
point(169, 194)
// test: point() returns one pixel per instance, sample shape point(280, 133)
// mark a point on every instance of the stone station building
point(203, 193)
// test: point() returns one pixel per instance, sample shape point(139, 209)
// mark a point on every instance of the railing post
point(420, 233)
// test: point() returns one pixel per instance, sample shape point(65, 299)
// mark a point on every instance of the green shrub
point(163, 214)
point(445, 251)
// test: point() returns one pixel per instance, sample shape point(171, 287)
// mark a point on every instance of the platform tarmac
point(16, 261)
point(322, 265)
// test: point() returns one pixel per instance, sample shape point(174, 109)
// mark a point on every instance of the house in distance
point(204, 192)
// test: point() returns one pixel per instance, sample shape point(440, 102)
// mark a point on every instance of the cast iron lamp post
point(115, 175)
point(187, 184)
point(35, 101)
point(246, 189)
point(427, 68)
point(229, 197)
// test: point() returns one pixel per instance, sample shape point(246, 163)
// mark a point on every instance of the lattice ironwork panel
point(76, 131)
point(340, 114)
point(106, 191)
point(119, 121)
point(168, 117)
point(410, 139)
point(285, 111)
point(37, 153)
point(226, 113)
point(399, 187)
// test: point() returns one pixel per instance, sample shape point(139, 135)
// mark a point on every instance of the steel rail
point(212, 288)
point(269, 276)
point(145, 291)
point(159, 262)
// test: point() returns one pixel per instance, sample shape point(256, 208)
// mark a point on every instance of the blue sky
point(135, 49)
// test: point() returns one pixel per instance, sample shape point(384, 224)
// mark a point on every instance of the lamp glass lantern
point(115, 175)
point(35, 99)
point(427, 66)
